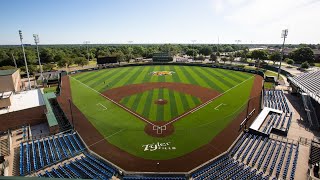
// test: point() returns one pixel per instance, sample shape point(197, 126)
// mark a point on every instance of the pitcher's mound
point(161, 101)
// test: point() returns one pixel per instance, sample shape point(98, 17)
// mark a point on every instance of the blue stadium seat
point(34, 155)
point(40, 154)
point(21, 160)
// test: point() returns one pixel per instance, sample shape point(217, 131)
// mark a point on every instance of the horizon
point(160, 22)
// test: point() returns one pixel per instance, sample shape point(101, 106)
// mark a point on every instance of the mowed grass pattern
point(177, 104)
point(218, 79)
point(126, 131)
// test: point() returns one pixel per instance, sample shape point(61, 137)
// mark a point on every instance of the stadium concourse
point(281, 143)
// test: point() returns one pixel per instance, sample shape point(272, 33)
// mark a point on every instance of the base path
point(128, 162)
point(205, 94)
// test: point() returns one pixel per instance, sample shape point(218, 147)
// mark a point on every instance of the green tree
point(213, 57)
point(289, 61)
point(302, 54)
point(231, 59)
point(48, 67)
point(275, 57)
point(224, 59)
point(206, 50)
point(259, 54)
point(305, 65)
point(62, 63)
point(191, 52)
point(81, 61)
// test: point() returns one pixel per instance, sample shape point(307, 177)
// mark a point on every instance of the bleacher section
point(275, 99)
point(153, 178)
point(281, 122)
point(86, 167)
point(253, 157)
point(37, 154)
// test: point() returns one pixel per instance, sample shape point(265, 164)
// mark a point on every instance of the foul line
point(137, 115)
point(105, 108)
point(206, 103)
point(218, 106)
point(107, 137)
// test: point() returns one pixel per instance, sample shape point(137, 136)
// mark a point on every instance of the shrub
point(6, 67)
point(289, 61)
point(305, 65)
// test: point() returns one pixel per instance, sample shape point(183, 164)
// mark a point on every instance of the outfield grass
point(191, 132)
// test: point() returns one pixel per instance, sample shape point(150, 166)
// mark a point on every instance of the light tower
point(193, 41)
point(25, 59)
point(284, 36)
point(36, 41)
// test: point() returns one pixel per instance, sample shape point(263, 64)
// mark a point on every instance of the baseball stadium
point(159, 120)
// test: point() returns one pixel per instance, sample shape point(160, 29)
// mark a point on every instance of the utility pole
point(87, 42)
point(36, 40)
point(193, 41)
point(284, 36)
point(25, 59)
point(14, 60)
point(218, 50)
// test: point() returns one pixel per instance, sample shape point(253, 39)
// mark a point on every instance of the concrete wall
point(5, 102)
point(16, 119)
point(11, 82)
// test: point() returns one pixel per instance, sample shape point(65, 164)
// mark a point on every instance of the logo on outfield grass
point(162, 73)
point(158, 146)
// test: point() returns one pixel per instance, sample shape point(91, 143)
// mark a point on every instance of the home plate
point(216, 108)
point(105, 108)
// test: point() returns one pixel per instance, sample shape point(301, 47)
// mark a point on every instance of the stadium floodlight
point(36, 41)
point(25, 59)
point(193, 41)
point(87, 42)
point(238, 41)
point(284, 35)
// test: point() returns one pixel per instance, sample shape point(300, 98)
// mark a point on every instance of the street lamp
point(284, 36)
point(193, 41)
point(25, 59)
point(36, 41)
point(87, 42)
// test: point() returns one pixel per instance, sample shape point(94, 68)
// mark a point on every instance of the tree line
point(66, 55)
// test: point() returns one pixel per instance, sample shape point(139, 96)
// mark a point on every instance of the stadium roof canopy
point(7, 72)
point(309, 83)
point(24, 100)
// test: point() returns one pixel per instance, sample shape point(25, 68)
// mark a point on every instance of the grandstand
point(308, 86)
point(275, 117)
point(254, 157)
point(275, 99)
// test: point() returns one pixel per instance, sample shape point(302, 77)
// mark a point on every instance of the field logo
point(162, 73)
point(158, 146)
